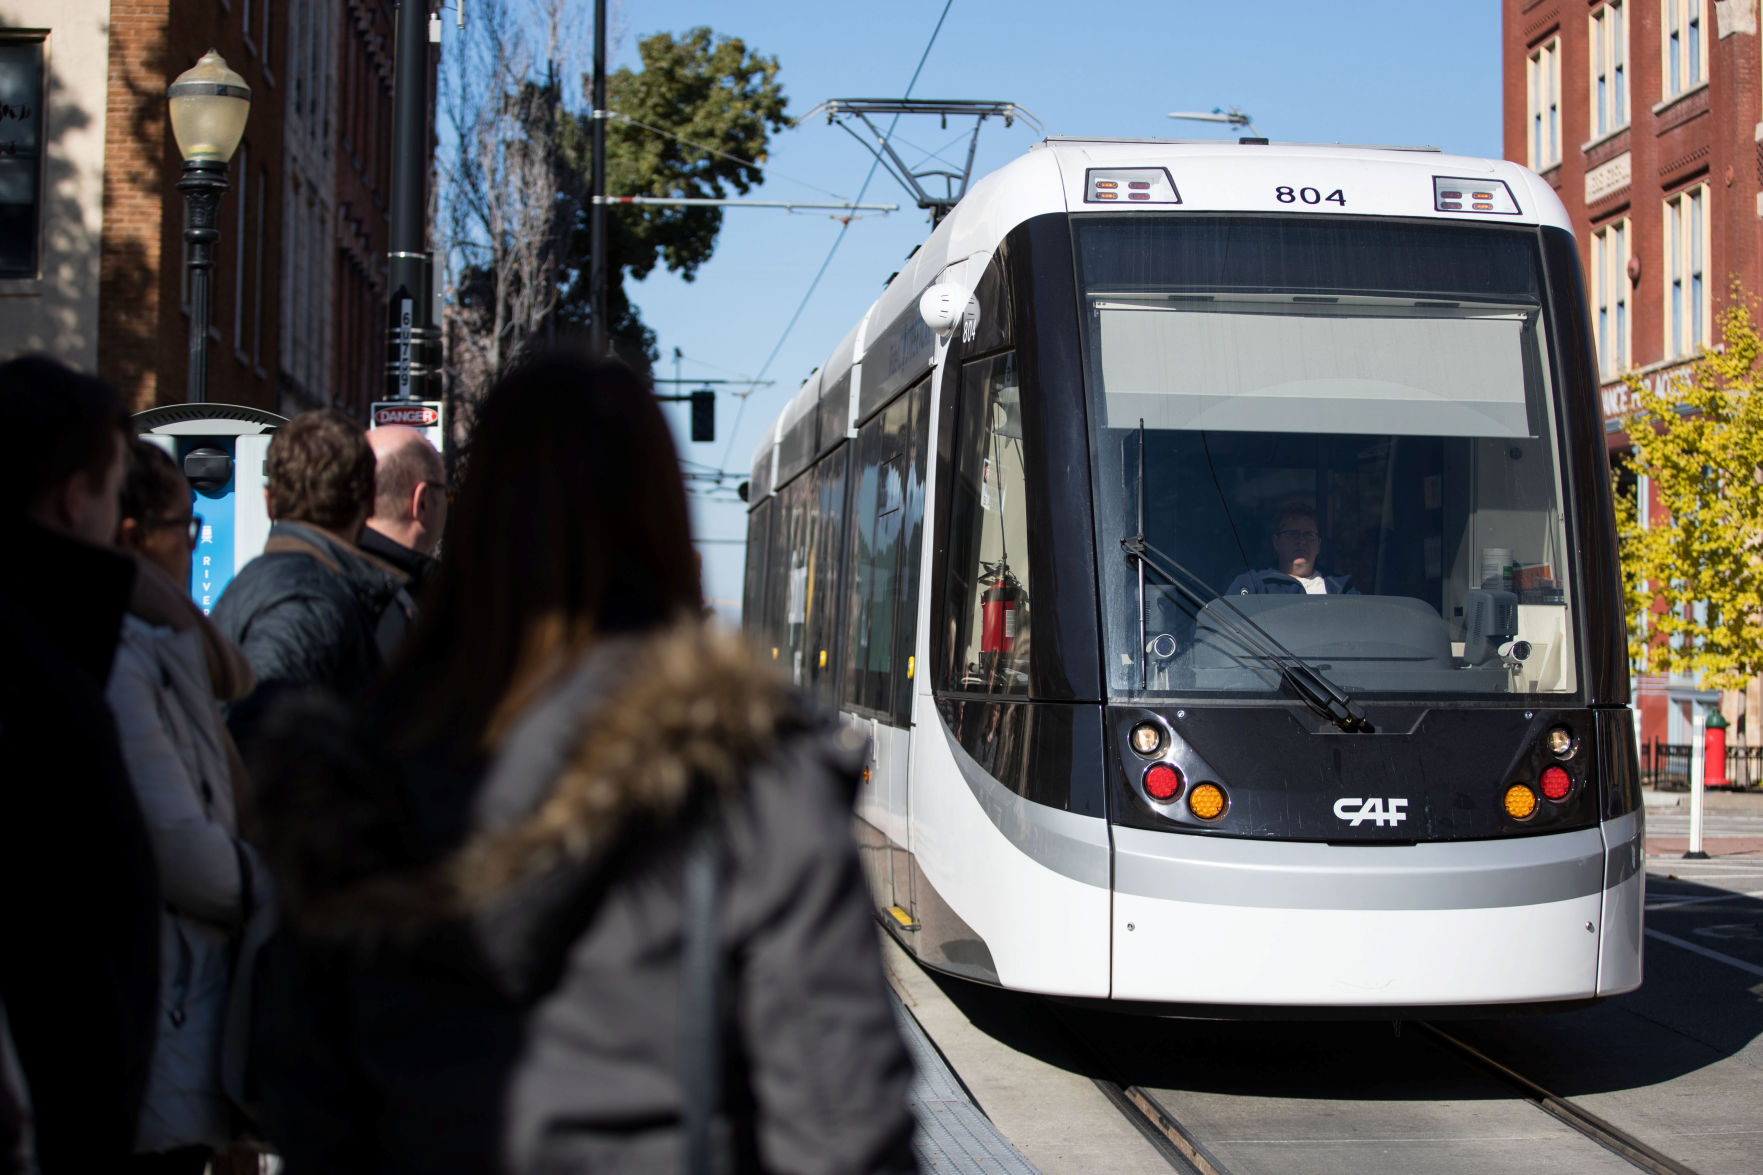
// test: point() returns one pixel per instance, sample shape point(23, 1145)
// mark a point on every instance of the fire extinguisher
point(1001, 613)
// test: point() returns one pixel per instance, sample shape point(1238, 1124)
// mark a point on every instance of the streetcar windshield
point(1330, 438)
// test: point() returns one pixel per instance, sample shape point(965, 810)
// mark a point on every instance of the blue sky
point(1368, 71)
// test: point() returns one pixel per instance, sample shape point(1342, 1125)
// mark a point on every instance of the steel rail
point(1174, 1142)
point(1612, 1138)
point(1178, 1146)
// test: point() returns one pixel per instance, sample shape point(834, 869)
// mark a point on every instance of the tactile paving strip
point(953, 1136)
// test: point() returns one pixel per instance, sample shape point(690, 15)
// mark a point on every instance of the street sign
point(425, 416)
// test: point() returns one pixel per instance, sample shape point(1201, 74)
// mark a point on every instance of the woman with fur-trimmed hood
point(580, 892)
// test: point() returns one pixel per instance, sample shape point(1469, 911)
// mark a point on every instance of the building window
point(1609, 54)
point(1545, 104)
point(1685, 49)
point(240, 248)
point(1610, 246)
point(257, 276)
point(21, 153)
point(1686, 259)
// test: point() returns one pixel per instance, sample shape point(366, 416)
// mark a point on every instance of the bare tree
point(505, 201)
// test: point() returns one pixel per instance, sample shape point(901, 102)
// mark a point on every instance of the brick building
point(1646, 116)
point(95, 274)
point(363, 186)
point(143, 296)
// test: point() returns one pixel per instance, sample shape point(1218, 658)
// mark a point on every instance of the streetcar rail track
point(1167, 1136)
point(1185, 1152)
point(1576, 1117)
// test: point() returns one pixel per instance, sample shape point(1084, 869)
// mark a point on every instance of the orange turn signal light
point(1208, 801)
point(1521, 802)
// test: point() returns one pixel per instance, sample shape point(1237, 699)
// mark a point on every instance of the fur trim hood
point(623, 738)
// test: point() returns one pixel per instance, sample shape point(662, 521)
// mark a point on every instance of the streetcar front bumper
point(1238, 921)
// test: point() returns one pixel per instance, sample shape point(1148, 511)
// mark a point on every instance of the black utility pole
point(597, 192)
point(413, 340)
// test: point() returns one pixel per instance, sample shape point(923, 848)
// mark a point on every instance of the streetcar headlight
point(1521, 802)
point(1208, 801)
point(1559, 742)
point(1147, 739)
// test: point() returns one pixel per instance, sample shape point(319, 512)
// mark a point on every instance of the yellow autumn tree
point(1693, 572)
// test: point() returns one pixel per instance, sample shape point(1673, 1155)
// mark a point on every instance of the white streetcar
point(1216, 541)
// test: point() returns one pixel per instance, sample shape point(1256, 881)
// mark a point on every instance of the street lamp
point(209, 105)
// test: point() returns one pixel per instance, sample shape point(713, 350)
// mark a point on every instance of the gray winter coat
point(180, 764)
point(486, 975)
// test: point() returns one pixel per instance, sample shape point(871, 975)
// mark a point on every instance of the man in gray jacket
point(309, 610)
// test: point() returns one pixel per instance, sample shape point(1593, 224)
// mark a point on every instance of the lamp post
point(209, 105)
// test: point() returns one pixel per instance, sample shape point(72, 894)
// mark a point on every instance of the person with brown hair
point(314, 609)
point(79, 896)
point(578, 891)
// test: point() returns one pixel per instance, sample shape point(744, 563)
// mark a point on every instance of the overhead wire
point(725, 155)
point(837, 241)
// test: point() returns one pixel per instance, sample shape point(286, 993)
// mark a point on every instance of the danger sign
point(422, 415)
point(416, 415)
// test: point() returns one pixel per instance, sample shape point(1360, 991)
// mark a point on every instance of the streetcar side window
point(987, 596)
point(825, 559)
point(877, 572)
point(753, 597)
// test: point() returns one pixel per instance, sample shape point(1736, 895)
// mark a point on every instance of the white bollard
point(1698, 768)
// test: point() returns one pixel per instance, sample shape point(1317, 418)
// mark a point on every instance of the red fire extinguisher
point(1000, 613)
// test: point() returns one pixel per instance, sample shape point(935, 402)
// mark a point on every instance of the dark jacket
point(79, 897)
point(1271, 581)
point(486, 970)
point(415, 566)
point(308, 611)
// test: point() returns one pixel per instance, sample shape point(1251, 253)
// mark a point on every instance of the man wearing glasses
point(1296, 541)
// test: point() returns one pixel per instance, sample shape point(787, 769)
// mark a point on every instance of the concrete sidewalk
point(1732, 823)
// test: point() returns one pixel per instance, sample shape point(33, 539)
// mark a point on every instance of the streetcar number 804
point(1290, 195)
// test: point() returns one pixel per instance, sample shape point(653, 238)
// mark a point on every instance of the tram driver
point(1296, 542)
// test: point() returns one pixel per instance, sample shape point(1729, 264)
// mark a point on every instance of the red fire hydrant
point(1714, 751)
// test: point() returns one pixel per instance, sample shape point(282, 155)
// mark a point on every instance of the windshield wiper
point(1316, 691)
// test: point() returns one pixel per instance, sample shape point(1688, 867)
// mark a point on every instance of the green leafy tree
point(516, 167)
point(1694, 570)
point(694, 122)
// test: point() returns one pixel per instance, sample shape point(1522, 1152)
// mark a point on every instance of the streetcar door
point(886, 530)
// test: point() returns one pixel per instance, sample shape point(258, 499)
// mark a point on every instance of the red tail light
point(1162, 782)
point(1556, 783)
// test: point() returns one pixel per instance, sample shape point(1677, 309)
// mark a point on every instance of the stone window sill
point(1662, 107)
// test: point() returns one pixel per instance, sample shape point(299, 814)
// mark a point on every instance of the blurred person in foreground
point(79, 897)
point(580, 891)
point(314, 609)
point(409, 502)
point(165, 692)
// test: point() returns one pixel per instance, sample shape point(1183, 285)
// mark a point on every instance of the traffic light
point(703, 415)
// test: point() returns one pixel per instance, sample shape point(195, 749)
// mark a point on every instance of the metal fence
point(1667, 765)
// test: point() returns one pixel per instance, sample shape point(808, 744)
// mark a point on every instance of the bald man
point(409, 502)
